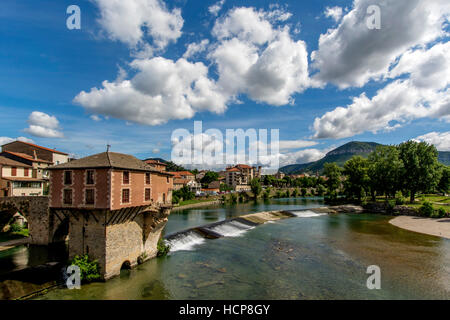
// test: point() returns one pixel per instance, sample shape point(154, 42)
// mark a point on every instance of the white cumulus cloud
point(333, 12)
point(352, 54)
point(420, 89)
point(131, 21)
point(161, 90)
point(43, 125)
point(441, 140)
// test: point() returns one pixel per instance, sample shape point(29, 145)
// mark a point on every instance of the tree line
point(410, 168)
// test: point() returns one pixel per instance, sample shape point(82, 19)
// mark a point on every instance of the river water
point(306, 257)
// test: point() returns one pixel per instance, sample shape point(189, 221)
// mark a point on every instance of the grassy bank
point(6, 236)
point(195, 201)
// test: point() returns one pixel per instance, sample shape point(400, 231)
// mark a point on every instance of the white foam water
point(185, 241)
point(231, 229)
point(307, 214)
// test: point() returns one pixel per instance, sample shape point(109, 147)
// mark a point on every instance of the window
point(167, 179)
point(126, 177)
point(164, 197)
point(90, 196)
point(147, 178)
point(147, 194)
point(67, 177)
point(67, 196)
point(13, 171)
point(90, 177)
point(125, 195)
point(25, 172)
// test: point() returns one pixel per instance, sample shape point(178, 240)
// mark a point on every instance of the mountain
point(444, 157)
point(343, 153)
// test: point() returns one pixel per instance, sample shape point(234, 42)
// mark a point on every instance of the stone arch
point(35, 210)
point(62, 231)
point(126, 265)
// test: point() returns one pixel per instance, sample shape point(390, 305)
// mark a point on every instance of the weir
point(234, 227)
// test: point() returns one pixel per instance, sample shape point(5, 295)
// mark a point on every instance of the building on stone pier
point(117, 206)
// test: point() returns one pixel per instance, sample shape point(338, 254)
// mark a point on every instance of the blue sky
point(45, 66)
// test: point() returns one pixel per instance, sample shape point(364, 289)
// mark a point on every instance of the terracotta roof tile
point(13, 163)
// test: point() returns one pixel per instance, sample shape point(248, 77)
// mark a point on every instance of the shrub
point(15, 228)
point(426, 209)
point(89, 269)
point(304, 192)
point(163, 248)
point(442, 213)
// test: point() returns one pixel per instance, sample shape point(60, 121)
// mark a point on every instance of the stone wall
point(35, 210)
point(87, 234)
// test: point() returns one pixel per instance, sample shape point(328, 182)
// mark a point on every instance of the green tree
point(385, 169)
point(320, 190)
point(420, 167)
point(333, 174)
point(255, 186)
point(444, 183)
point(209, 177)
point(184, 193)
point(303, 192)
point(357, 180)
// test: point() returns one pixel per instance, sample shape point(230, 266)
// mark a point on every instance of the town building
point(239, 176)
point(17, 179)
point(156, 164)
point(279, 175)
point(117, 207)
point(38, 157)
point(185, 178)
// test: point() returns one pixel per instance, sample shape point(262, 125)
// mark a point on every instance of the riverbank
point(434, 227)
point(196, 205)
point(5, 245)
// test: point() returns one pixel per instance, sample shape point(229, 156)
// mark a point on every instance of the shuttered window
point(67, 196)
point(125, 195)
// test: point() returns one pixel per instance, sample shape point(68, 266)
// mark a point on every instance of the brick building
point(118, 206)
point(17, 179)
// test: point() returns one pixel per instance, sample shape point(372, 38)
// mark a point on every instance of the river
point(305, 257)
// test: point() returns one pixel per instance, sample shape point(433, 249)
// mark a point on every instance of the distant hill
point(343, 153)
point(444, 157)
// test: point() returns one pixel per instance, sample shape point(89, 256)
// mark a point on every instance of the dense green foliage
point(444, 183)
point(255, 186)
point(182, 194)
point(209, 177)
point(89, 269)
point(420, 167)
point(357, 182)
point(333, 174)
point(163, 248)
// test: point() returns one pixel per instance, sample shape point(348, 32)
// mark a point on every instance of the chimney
point(34, 153)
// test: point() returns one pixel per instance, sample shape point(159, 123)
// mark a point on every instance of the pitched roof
point(107, 160)
point(9, 162)
point(152, 161)
point(26, 156)
point(40, 147)
point(181, 173)
point(233, 170)
point(244, 166)
point(180, 181)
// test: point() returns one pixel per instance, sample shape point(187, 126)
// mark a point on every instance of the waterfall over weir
point(188, 239)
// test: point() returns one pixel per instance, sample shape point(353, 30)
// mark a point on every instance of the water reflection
point(322, 257)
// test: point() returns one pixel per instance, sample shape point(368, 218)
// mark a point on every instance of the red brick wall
point(158, 185)
point(78, 186)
